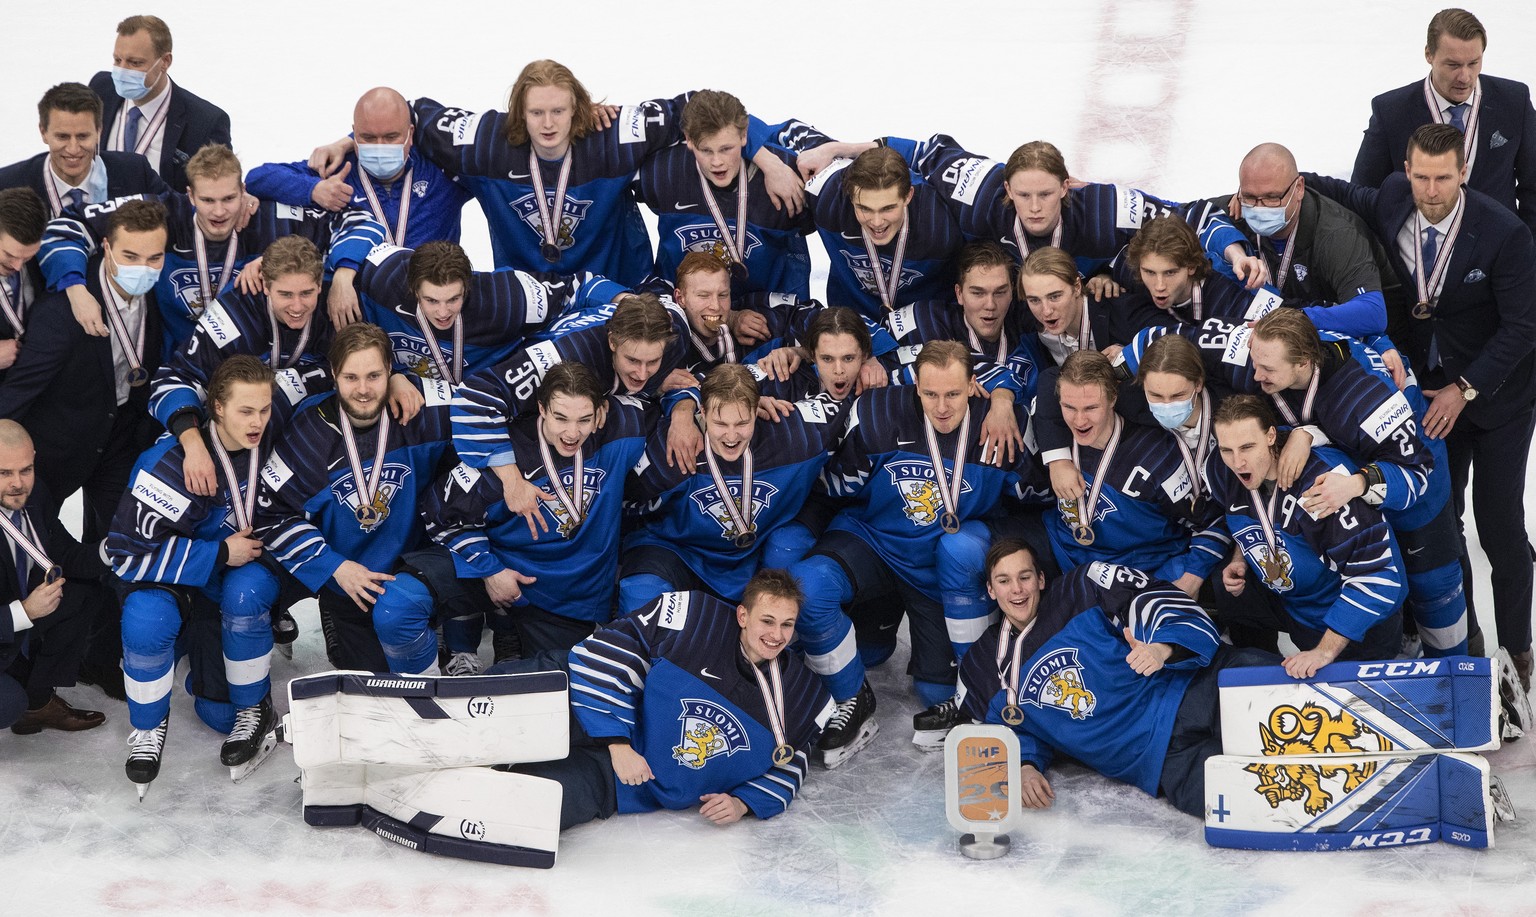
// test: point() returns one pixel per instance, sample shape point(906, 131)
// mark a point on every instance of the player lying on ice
point(1112, 667)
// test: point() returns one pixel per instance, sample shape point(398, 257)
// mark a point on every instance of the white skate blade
point(241, 771)
point(930, 739)
point(837, 757)
point(1503, 806)
point(143, 788)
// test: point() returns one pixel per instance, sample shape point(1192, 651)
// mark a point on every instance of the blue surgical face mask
point(1266, 221)
point(1172, 415)
point(381, 160)
point(131, 84)
point(135, 279)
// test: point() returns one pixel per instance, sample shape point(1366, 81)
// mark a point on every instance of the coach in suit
point(1470, 333)
point(1502, 150)
point(71, 173)
point(145, 112)
point(44, 623)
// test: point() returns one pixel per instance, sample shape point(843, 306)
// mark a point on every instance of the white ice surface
point(1162, 95)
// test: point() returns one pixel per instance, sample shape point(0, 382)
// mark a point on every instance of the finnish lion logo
point(1312, 730)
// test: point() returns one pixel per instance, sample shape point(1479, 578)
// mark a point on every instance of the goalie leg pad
point(420, 721)
point(1410, 706)
point(473, 813)
point(1364, 802)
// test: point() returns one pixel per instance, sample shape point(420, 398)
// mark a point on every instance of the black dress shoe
point(57, 715)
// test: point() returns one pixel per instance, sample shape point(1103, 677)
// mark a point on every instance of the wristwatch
point(1467, 391)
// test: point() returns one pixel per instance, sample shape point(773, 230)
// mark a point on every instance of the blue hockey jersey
point(307, 511)
point(672, 680)
point(682, 510)
point(164, 533)
point(1078, 695)
point(575, 565)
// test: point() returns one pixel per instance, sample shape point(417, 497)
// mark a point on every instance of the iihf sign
point(708, 731)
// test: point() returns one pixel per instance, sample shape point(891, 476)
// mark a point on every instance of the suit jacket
point(1505, 169)
point(1485, 319)
point(127, 173)
point(62, 388)
point(78, 561)
point(191, 123)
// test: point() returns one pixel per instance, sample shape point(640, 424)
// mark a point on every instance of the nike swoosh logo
point(1415, 551)
point(888, 626)
point(1238, 509)
point(684, 206)
point(707, 674)
point(519, 174)
point(906, 442)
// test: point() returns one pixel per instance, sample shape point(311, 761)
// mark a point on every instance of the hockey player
point(384, 174)
point(751, 712)
point(551, 583)
point(445, 319)
point(834, 349)
point(708, 199)
point(554, 188)
point(1334, 582)
point(1030, 202)
point(703, 526)
point(1134, 508)
point(630, 353)
point(340, 490)
point(903, 495)
point(1110, 666)
point(889, 237)
point(1067, 319)
point(22, 219)
point(1165, 264)
point(211, 244)
point(192, 566)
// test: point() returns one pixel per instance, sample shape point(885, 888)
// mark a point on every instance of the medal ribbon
point(1085, 513)
point(1468, 142)
point(1020, 238)
point(949, 491)
point(243, 505)
point(773, 698)
point(741, 514)
point(25, 542)
point(1306, 404)
point(205, 285)
point(397, 235)
point(277, 340)
point(454, 373)
point(1005, 648)
point(548, 213)
point(367, 488)
point(737, 246)
point(148, 131)
point(575, 505)
point(888, 292)
point(133, 352)
point(1435, 278)
point(1196, 461)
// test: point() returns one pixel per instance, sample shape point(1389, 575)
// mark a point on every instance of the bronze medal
point(1421, 310)
point(745, 540)
point(1013, 715)
point(54, 574)
point(137, 376)
point(950, 522)
point(1084, 535)
point(783, 754)
point(550, 251)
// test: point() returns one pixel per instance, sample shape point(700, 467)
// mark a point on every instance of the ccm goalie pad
point(1408, 706)
point(1349, 803)
point(427, 722)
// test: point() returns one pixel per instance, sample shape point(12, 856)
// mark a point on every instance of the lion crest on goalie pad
point(1312, 730)
point(1057, 681)
point(1274, 564)
point(921, 501)
point(708, 731)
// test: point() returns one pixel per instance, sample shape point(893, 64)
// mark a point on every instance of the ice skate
point(251, 741)
point(851, 728)
point(931, 726)
point(145, 746)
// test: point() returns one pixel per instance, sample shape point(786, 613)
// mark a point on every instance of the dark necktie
point(1459, 116)
point(76, 199)
point(131, 133)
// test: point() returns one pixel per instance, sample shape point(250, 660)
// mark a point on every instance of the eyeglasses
point(1270, 200)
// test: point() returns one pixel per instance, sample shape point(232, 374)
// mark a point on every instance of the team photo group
point(619, 521)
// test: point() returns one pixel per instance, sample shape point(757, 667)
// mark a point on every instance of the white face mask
point(132, 84)
point(135, 279)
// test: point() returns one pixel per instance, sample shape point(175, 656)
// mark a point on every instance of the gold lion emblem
point(699, 743)
point(1275, 567)
point(923, 503)
point(1072, 694)
point(1311, 730)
